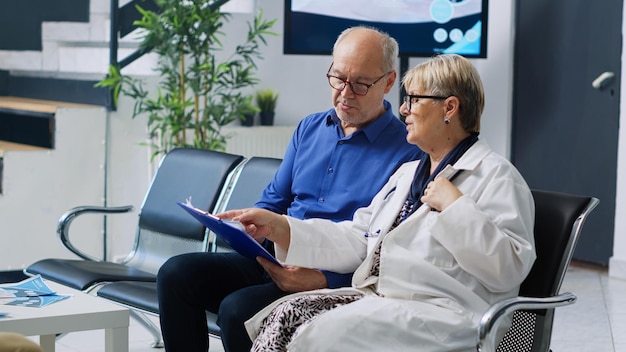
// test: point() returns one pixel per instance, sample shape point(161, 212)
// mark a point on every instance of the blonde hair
point(451, 75)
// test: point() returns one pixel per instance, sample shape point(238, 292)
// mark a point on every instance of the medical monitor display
point(421, 27)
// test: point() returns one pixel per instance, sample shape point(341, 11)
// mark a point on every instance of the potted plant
point(199, 92)
point(266, 100)
point(248, 112)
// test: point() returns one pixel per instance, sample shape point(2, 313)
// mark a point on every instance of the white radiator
point(268, 141)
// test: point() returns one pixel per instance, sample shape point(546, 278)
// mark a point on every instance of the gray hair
point(388, 44)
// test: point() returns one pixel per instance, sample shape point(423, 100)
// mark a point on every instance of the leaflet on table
point(38, 301)
point(235, 237)
point(33, 286)
point(31, 292)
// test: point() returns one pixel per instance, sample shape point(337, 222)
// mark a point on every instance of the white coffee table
point(78, 313)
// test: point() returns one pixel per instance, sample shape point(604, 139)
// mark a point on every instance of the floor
point(595, 323)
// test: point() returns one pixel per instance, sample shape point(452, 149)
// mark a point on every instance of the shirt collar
point(373, 129)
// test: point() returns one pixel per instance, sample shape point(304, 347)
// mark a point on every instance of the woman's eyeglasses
point(410, 99)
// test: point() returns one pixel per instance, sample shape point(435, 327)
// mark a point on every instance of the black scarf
point(423, 175)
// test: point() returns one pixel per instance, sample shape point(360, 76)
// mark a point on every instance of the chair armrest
point(492, 317)
point(63, 226)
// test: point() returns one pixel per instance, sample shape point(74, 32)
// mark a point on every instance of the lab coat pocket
point(448, 326)
point(439, 256)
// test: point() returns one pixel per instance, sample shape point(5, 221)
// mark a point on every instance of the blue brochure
point(30, 292)
point(236, 238)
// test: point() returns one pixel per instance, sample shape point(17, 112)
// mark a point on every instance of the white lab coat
point(438, 271)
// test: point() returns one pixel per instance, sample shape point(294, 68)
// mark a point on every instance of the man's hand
point(294, 278)
point(261, 224)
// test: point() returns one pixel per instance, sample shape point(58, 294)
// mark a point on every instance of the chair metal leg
point(149, 325)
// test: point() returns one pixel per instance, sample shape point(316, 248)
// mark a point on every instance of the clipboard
point(236, 238)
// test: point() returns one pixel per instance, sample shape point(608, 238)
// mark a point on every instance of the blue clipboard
point(237, 239)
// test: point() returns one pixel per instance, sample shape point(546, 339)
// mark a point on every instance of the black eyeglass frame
point(346, 82)
point(407, 99)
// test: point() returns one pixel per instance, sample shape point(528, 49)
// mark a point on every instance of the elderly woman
point(446, 237)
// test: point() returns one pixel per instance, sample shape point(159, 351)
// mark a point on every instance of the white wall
point(40, 185)
point(617, 263)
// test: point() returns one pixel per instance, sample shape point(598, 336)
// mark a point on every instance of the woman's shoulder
point(501, 167)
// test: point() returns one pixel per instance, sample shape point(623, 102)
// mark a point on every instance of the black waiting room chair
point(163, 230)
point(559, 219)
point(244, 188)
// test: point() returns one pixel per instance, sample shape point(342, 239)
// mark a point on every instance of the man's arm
point(278, 196)
point(335, 280)
point(298, 279)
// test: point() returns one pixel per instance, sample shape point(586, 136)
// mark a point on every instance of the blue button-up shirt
point(325, 174)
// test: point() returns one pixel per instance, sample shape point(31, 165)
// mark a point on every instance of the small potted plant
point(247, 110)
point(266, 100)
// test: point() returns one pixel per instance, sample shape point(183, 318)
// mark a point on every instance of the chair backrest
point(559, 218)
point(164, 228)
point(245, 188)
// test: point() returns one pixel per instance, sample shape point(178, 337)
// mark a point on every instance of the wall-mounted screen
point(421, 27)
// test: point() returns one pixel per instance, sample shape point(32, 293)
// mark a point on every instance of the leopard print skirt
point(289, 318)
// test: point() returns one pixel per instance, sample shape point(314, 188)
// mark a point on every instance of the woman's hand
point(440, 193)
point(261, 224)
point(294, 278)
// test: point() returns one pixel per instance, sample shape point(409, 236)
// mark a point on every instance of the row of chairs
point(218, 181)
point(215, 181)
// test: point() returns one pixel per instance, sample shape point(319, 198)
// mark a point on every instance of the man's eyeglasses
point(356, 87)
point(413, 99)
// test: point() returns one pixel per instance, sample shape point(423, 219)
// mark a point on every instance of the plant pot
point(248, 120)
point(267, 118)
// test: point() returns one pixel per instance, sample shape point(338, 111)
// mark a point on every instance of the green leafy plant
point(198, 93)
point(249, 110)
point(247, 107)
point(266, 100)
